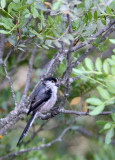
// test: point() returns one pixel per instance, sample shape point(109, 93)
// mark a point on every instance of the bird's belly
point(48, 105)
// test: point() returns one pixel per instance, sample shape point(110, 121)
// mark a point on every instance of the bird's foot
point(54, 111)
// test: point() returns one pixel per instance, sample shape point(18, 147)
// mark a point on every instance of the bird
point(44, 99)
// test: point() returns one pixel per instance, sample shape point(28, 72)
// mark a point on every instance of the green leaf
point(57, 44)
point(34, 12)
point(113, 70)
point(113, 116)
point(77, 71)
point(56, 5)
point(94, 101)
point(70, 36)
point(95, 15)
point(109, 135)
point(114, 50)
point(103, 93)
point(16, 1)
point(101, 122)
point(103, 21)
point(44, 46)
point(4, 32)
point(107, 126)
point(12, 41)
point(108, 10)
point(111, 86)
point(5, 26)
point(3, 3)
point(90, 15)
point(97, 110)
point(112, 41)
point(41, 7)
point(88, 3)
point(106, 67)
point(10, 6)
point(66, 40)
point(113, 57)
point(98, 64)
point(35, 33)
point(7, 21)
point(21, 49)
point(88, 63)
point(110, 61)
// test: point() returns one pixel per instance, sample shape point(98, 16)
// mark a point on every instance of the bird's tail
point(30, 122)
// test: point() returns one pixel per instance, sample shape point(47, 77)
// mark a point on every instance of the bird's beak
point(57, 84)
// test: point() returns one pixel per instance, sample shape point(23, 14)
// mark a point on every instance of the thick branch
point(17, 113)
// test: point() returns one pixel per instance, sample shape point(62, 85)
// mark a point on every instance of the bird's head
point(51, 82)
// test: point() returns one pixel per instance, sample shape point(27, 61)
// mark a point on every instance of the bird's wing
point(42, 95)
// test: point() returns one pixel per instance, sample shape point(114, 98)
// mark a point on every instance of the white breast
point(50, 103)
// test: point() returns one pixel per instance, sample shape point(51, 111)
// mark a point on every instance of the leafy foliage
point(102, 75)
point(25, 23)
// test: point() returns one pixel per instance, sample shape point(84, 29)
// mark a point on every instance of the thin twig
point(2, 39)
point(8, 77)
point(39, 147)
point(29, 74)
point(92, 38)
point(84, 55)
point(28, 20)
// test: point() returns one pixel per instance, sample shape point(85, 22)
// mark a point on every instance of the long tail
point(30, 122)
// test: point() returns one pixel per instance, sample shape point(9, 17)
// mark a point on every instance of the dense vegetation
point(73, 40)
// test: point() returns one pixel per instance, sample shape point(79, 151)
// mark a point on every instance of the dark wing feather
point(42, 95)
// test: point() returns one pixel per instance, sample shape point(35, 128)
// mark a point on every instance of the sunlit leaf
point(3, 3)
point(88, 3)
point(94, 101)
point(98, 64)
point(101, 122)
point(109, 135)
point(89, 63)
point(103, 93)
point(107, 125)
point(57, 44)
point(106, 67)
point(34, 12)
point(113, 116)
point(111, 86)
point(113, 70)
point(97, 110)
point(4, 32)
point(108, 10)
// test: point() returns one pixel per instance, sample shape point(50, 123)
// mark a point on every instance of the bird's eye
point(53, 81)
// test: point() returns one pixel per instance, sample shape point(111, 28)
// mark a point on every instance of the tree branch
point(8, 77)
point(84, 55)
point(29, 73)
point(39, 147)
point(92, 38)
point(2, 39)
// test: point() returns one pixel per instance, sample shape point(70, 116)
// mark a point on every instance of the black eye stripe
point(53, 79)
